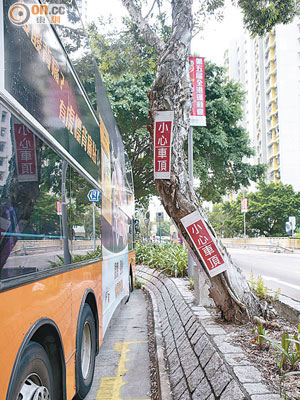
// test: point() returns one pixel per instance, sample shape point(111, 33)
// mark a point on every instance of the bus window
point(31, 220)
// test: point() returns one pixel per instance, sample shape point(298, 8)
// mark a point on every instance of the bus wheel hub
point(31, 391)
point(42, 393)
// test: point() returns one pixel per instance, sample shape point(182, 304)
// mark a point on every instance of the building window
point(1, 146)
point(1, 161)
point(3, 116)
point(2, 132)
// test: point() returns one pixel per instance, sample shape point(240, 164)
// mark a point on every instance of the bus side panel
point(20, 308)
point(115, 284)
point(89, 277)
point(57, 298)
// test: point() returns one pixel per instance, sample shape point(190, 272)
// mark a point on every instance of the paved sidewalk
point(202, 364)
point(122, 365)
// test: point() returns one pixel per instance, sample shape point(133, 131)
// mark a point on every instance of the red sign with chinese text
point(163, 133)
point(58, 208)
point(25, 154)
point(204, 242)
point(197, 76)
point(162, 144)
point(162, 159)
point(244, 204)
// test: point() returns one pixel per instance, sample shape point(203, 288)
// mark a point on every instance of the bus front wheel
point(86, 351)
point(34, 376)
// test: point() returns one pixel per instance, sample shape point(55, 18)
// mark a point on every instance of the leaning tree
point(172, 91)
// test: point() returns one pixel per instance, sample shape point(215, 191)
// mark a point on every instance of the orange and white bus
point(67, 207)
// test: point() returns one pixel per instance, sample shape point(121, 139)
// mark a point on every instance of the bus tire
point(130, 286)
point(130, 283)
point(86, 352)
point(34, 375)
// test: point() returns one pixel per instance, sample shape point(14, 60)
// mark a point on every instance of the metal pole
point(191, 178)
point(159, 231)
point(244, 229)
point(94, 226)
point(60, 231)
point(67, 254)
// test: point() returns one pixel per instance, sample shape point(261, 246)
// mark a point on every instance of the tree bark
point(172, 91)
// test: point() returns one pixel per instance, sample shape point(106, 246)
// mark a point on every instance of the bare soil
point(264, 357)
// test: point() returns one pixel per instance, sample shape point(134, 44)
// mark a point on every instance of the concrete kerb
point(162, 373)
point(202, 364)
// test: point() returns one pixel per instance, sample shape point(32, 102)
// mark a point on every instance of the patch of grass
point(261, 290)
point(170, 258)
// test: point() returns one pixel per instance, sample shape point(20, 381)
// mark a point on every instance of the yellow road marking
point(110, 387)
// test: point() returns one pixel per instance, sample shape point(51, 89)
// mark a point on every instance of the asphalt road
point(278, 270)
point(122, 365)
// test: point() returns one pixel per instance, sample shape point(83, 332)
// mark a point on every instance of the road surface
point(122, 365)
point(278, 270)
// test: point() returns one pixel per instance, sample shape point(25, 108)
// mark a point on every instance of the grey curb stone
point(185, 396)
point(247, 374)
point(215, 330)
point(179, 389)
point(236, 359)
point(203, 390)
point(200, 345)
point(176, 376)
point(256, 388)
point(266, 397)
point(192, 330)
point(213, 365)
point(220, 380)
point(211, 397)
point(233, 392)
point(196, 336)
point(206, 354)
point(189, 362)
point(195, 378)
point(203, 364)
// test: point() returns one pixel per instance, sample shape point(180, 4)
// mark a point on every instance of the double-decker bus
point(67, 207)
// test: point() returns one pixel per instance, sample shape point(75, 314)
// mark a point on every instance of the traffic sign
point(93, 195)
point(292, 221)
point(159, 216)
point(58, 208)
point(244, 204)
point(204, 243)
point(288, 228)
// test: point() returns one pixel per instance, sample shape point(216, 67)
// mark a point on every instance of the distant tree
point(268, 210)
point(221, 219)
point(261, 16)
point(44, 217)
point(270, 207)
point(165, 228)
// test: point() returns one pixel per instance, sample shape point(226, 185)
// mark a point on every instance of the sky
point(211, 43)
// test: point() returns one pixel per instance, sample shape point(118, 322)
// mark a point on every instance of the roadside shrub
point(169, 257)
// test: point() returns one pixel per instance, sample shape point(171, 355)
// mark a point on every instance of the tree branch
point(150, 9)
point(150, 37)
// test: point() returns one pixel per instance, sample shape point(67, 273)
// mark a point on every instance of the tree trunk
point(172, 91)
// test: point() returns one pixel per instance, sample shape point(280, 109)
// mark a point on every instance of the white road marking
point(269, 278)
